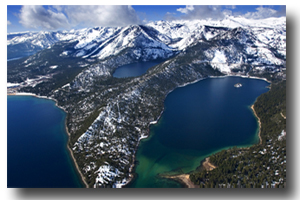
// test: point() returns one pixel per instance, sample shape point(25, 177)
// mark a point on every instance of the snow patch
point(219, 57)
point(64, 53)
point(12, 84)
point(53, 67)
point(219, 62)
point(107, 174)
point(67, 85)
point(282, 135)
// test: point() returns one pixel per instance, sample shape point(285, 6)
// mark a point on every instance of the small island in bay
point(237, 85)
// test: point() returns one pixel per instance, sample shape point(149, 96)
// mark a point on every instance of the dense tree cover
point(261, 165)
point(40, 64)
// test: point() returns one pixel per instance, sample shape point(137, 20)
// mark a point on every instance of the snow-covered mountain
point(141, 41)
point(233, 44)
point(159, 39)
point(28, 43)
point(107, 116)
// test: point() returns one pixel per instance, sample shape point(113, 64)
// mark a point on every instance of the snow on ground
point(67, 85)
point(282, 135)
point(119, 184)
point(107, 174)
point(143, 136)
point(219, 57)
point(64, 53)
point(12, 84)
point(53, 67)
point(25, 94)
point(219, 62)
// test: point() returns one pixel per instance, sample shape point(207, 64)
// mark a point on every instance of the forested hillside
point(262, 165)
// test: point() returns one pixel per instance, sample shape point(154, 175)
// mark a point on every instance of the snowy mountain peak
point(159, 39)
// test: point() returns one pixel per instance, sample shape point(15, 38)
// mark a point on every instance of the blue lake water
point(198, 120)
point(37, 154)
point(134, 69)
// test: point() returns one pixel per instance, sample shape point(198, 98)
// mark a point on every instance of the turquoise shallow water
point(198, 120)
point(37, 154)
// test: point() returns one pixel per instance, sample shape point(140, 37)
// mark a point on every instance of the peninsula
point(108, 116)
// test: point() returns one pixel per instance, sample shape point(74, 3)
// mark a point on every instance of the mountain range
point(108, 116)
point(161, 38)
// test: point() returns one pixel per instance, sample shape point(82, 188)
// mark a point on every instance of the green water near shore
point(198, 120)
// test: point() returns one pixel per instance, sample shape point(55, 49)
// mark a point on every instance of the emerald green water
point(198, 120)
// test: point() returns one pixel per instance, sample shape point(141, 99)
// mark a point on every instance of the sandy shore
point(184, 178)
point(284, 117)
point(260, 140)
point(78, 170)
point(207, 165)
point(74, 160)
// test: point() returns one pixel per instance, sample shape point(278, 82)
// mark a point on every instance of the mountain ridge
point(165, 33)
point(108, 116)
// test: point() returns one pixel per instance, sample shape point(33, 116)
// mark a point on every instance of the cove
point(134, 69)
point(37, 154)
point(198, 120)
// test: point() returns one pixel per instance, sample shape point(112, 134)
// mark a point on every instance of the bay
point(134, 69)
point(37, 154)
point(198, 120)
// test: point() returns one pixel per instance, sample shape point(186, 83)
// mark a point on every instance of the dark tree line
point(261, 165)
